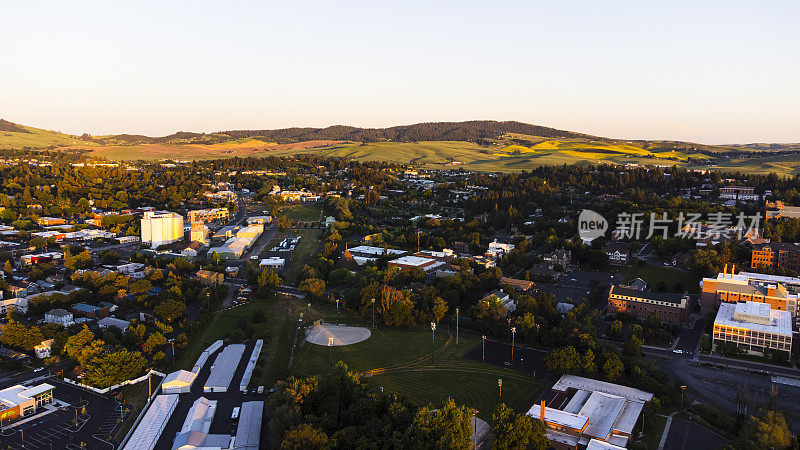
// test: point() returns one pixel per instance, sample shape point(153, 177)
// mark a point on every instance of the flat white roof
point(602, 410)
point(155, 419)
point(377, 251)
point(595, 444)
point(767, 277)
point(559, 417)
point(248, 432)
point(225, 366)
point(36, 390)
point(413, 261)
point(780, 321)
point(588, 384)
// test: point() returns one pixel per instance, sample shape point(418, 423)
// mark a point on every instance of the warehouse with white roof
point(223, 369)
point(155, 419)
point(578, 410)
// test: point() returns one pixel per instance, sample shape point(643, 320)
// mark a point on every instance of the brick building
point(783, 255)
point(670, 308)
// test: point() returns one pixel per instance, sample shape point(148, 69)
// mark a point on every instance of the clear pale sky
point(705, 71)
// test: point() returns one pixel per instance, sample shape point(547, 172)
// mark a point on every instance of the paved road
point(689, 337)
point(684, 435)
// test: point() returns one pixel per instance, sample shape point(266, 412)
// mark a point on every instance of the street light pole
point(337, 304)
point(500, 385)
point(433, 332)
point(373, 313)
point(513, 335)
point(474, 429)
point(456, 325)
point(483, 348)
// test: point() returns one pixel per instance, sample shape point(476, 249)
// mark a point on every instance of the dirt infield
point(341, 334)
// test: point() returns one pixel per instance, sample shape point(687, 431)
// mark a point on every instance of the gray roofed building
point(248, 432)
point(223, 369)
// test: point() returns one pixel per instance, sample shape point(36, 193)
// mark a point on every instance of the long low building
point(251, 365)
point(224, 368)
point(578, 410)
point(248, 431)
point(753, 327)
point(194, 433)
point(153, 423)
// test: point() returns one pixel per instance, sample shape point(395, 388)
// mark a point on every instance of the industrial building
point(223, 369)
point(194, 433)
point(234, 247)
point(161, 227)
point(181, 381)
point(251, 364)
point(152, 424)
point(753, 327)
point(248, 431)
point(273, 262)
point(578, 410)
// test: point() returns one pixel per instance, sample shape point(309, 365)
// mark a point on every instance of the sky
point(704, 71)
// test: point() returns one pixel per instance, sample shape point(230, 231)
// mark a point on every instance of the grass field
point(408, 362)
point(37, 138)
point(653, 275)
point(303, 211)
point(308, 245)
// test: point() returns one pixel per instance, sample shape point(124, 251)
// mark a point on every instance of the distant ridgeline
point(472, 131)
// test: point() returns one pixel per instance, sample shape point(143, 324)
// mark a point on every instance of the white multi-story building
point(744, 193)
point(59, 316)
point(753, 327)
point(161, 227)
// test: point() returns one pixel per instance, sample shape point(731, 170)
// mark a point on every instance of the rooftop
point(416, 261)
point(780, 322)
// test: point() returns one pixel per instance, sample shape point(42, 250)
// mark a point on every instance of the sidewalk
point(666, 431)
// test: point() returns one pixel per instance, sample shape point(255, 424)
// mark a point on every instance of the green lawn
point(303, 211)
point(308, 245)
point(653, 430)
point(653, 275)
point(407, 362)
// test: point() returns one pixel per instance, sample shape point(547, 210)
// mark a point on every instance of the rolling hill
point(473, 145)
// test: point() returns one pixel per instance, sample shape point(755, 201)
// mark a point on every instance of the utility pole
point(149, 386)
point(474, 429)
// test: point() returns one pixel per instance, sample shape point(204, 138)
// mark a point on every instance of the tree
point(439, 309)
point(614, 329)
point(170, 309)
point(447, 427)
point(77, 342)
point(516, 431)
point(8, 267)
point(633, 346)
point(613, 367)
point(154, 342)
point(268, 280)
point(561, 360)
point(305, 437)
point(769, 430)
point(313, 286)
point(108, 369)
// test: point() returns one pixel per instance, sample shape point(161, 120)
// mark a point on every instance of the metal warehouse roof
point(153, 423)
point(248, 431)
point(225, 366)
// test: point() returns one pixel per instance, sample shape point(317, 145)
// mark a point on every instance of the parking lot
point(95, 415)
